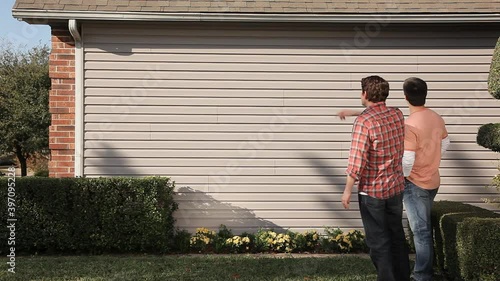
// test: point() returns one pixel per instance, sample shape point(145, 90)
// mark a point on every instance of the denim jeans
point(383, 223)
point(418, 203)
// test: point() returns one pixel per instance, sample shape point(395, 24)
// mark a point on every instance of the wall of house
point(242, 117)
point(62, 103)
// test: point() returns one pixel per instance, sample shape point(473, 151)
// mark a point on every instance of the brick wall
point(62, 104)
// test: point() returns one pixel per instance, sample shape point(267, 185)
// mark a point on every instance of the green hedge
point(494, 77)
point(90, 215)
point(440, 209)
point(478, 254)
point(446, 216)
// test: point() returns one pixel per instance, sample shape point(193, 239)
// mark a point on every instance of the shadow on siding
point(198, 209)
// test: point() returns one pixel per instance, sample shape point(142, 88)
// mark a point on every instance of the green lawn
point(93, 268)
point(180, 268)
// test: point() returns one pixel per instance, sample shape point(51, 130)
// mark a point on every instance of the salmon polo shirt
point(377, 147)
point(424, 132)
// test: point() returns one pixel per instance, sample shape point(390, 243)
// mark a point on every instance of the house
point(236, 100)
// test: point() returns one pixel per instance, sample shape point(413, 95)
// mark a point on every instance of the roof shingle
point(266, 6)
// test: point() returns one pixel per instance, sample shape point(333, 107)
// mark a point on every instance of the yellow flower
point(315, 237)
point(272, 234)
point(246, 240)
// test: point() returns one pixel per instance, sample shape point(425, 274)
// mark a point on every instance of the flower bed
point(333, 240)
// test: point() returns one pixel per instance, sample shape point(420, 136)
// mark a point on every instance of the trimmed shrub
point(446, 216)
point(478, 255)
point(439, 210)
point(91, 215)
point(494, 77)
point(488, 136)
point(449, 228)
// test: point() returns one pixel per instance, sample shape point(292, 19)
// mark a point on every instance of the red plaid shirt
point(377, 147)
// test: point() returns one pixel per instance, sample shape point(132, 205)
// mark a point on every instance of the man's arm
point(445, 143)
point(408, 161)
point(346, 197)
point(358, 156)
point(348, 112)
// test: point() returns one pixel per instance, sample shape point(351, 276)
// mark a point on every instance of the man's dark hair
point(415, 90)
point(376, 88)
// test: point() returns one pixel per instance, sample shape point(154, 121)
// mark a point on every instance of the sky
point(19, 32)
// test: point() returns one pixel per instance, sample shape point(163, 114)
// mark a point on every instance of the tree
point(24, 102)
point(488, 135)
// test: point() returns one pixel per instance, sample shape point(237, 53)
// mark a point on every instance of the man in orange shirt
point(426, 139)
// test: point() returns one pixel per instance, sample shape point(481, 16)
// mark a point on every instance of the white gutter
point(73, 29)
point(27, 14)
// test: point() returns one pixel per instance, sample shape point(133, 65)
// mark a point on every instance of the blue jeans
point(383, 224)
point(418, 203)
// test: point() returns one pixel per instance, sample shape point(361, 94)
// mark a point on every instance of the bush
point(494, 77)
point(42, 173)
point(488, 136)
point(478, 255)
point(239, 244)
point(181, 241)
point(336, 241)
point(39, 164)
point(91, 215)
point(440, 209)
point(446, 216)
point(221, 239)
point(268, 241)
point(202, 240)
point(305, 242)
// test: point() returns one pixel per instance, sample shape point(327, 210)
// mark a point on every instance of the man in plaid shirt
point(375, 162)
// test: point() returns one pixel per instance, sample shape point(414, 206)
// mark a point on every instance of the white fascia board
point(40, 15)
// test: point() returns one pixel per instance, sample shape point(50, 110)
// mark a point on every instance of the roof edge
point(43, 16)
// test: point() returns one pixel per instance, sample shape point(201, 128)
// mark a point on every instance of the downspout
point(73, 29)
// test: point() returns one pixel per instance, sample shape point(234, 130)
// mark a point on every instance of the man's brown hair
point(376, 88)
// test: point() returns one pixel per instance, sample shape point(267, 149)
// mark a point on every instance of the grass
point(191, 267)
point(184, 268)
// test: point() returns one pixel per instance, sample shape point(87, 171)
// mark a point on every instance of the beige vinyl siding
point(242, 117)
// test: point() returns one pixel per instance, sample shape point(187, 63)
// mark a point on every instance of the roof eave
point(43, 16)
